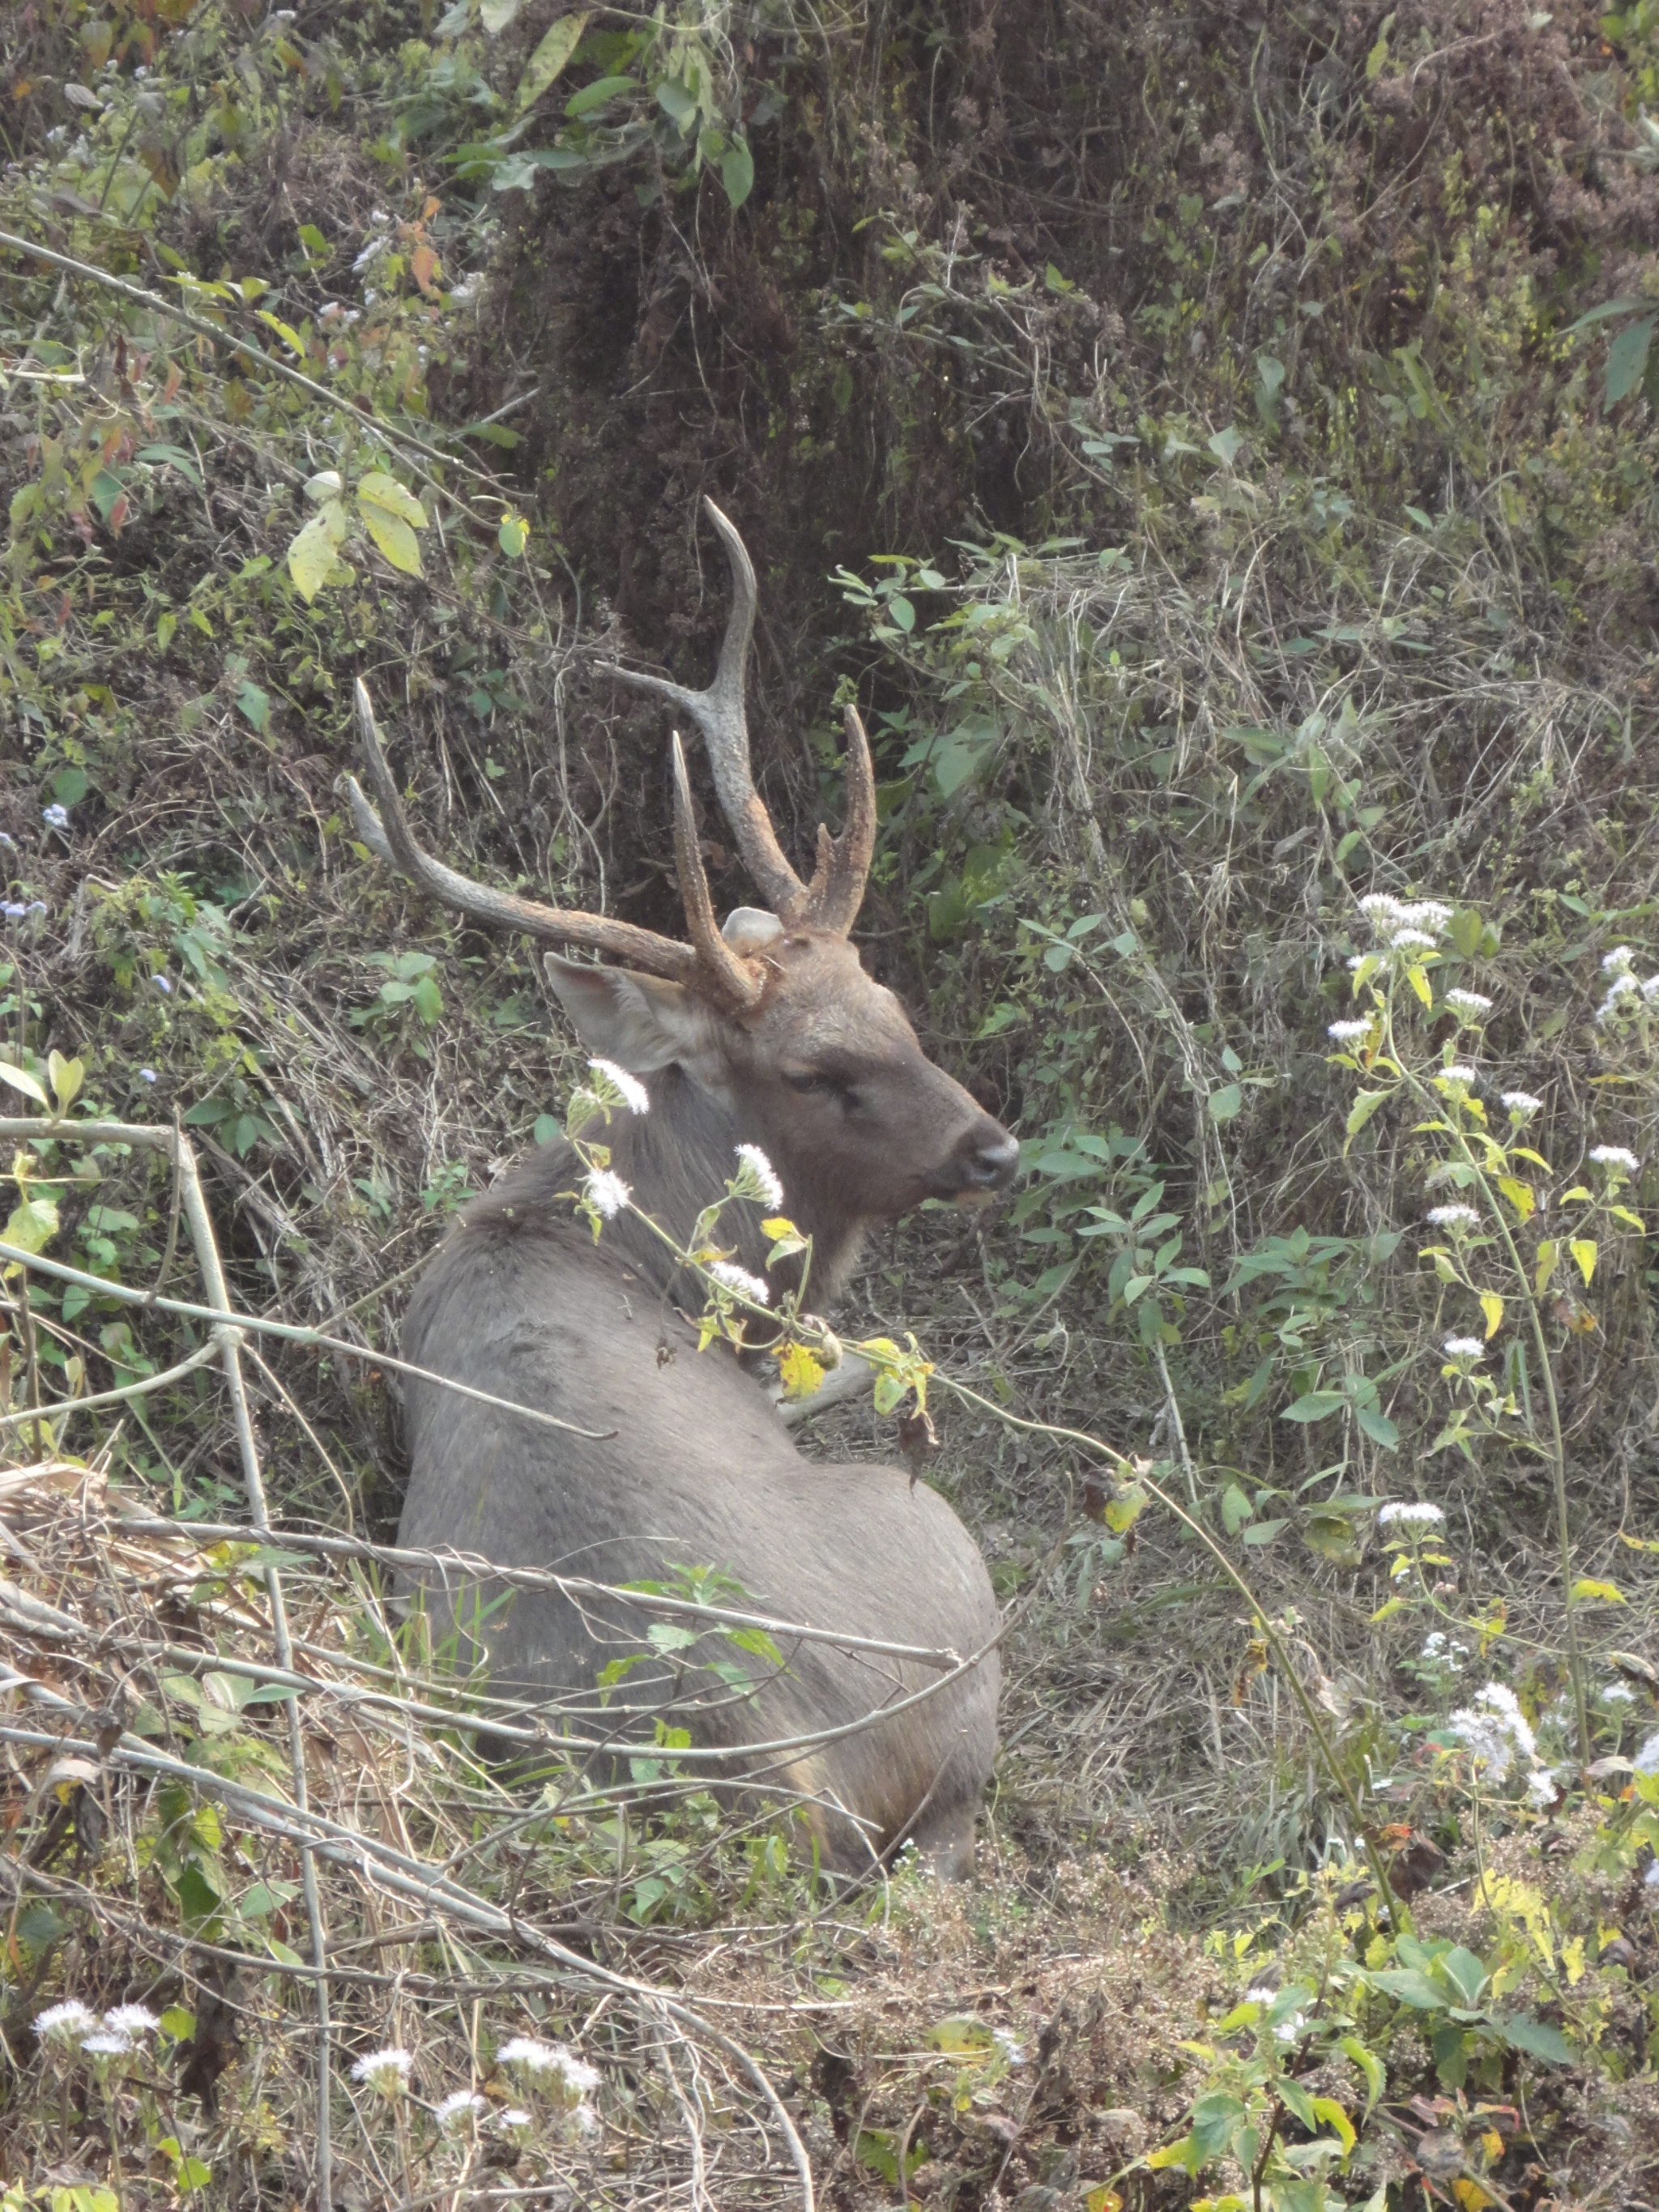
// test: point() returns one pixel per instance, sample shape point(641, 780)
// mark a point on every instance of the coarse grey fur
point(827, 1077)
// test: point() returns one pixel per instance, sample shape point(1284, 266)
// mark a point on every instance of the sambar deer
point(768, 1033)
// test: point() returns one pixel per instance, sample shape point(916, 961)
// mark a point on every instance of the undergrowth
point(1196, 434)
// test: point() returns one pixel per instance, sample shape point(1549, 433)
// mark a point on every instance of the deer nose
point(988, 1158)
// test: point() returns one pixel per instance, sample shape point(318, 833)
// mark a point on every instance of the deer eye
point(817, 1082)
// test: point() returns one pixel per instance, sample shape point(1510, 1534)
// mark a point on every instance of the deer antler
point(387, 835)
point(737, 980)
point(831, 900)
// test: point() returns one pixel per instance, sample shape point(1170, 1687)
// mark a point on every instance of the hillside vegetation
point(1214, 445)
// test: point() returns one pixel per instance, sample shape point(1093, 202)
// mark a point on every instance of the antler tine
point(719, 714)
point(387, 836)
point(729, 975)
point(836, 891)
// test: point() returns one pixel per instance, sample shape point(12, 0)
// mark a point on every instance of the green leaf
point(1378, 1427)
point(496, 15)
point(1315, 1406)
point(1235, 1509)
point(738, 172)
point(1370, 2066)
point(1225, 1103)
point(677, 102)
point(513, 536)
point(255, 703)
point(550, 57)
point(1627, 356)
point(1224, 445)
point(596, 94)
point(902, 613)
point(1535, 2037)
point(1467, 1973)
point(20, 1080)
point(1363, 1108)
point(1412, 1986)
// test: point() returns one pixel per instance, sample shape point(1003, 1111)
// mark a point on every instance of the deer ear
point(642, 1022)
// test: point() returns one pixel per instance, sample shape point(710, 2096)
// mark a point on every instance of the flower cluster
point(1625, 996)
point(629, 1090)
point(1401, 925)
point(607, 1193)
point(1464, 1348)
point(1615, 1157)
point(556, 2071)
point(387, 2072)
point(1348, 1032)
point(734, 1278)
point(1453, 1216)
point(117, 2035)
point(1522, 1105)
point(1493, 1728)
point(1468, 1004)
point(1403, 1514)
point(1440, 1650)
point(757, 1177)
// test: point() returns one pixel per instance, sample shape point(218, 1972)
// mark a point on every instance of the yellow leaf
point(423, 265)
point(1419, 983)
point(33, 1224)
point(395, 539)
point(1548, 1253)
point(799, 1372)
point(1519, 1195)
point(550, 57)
point(379, 492)
point(1493, 1306)
point(1492, 2143)
point(777, 1226)
point(290, 338)
point(513, 535)
point(1583, 1250)
point(20, 1079)
point(311, 556)
point(66, 1077)
point(1598, 1593)
point(1469, 2194)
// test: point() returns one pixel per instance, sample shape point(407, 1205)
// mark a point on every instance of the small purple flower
point(164, 986)
point(147, 1074)
point(55, 817)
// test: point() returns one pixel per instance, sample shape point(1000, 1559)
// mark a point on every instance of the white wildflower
point(1379, 906)
point(1356, 960)
point(107, 2046)
point(1465, 1347)
point(1287, 2030)
point(1650, 1879)
point(578, 2074)
point(739, 1279)
point(1261, 1995)
point(1618, 1694)
point(1457, 1073)
point(132, 2019)
point(66, 2022)
point(1411, 940)
point(1453, 1216)
point(55, 817)
point(1522, 1105)
point(607, 1193)
point(757, 1177)
point(1009, 2044)
point(1494, 1728)
point(1540, 1789)
point(513, 2118)
point(1404, 1513)
point(1469, 1002)
point(1618, 961)
point(1426, 914)
point(1615, 1156)
point(1650, 989)
point(584, 2119)
point(1347, 1032)
point(632, 1092)
point(1646, 1760)
point(460, 2105)
point(530, 2052)
point(1621, 984)
point(387, 2071)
